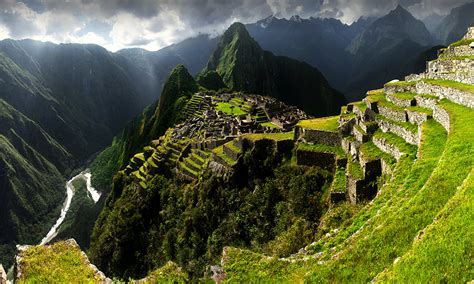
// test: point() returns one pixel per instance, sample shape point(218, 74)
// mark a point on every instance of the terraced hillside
point(381, 192)
point(410, 151)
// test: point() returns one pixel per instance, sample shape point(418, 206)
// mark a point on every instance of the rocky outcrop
point(3, 275)
point(20, 265)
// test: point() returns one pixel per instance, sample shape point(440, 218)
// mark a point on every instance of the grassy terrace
point(397, 141)
point(354, 169)
point(219, 151)
point(419, 109)
point(272, 136)
point(451, 84)
point(339, 181)
point(372, 152)
point(362, 106)
point(407, 125)
point(452, 223)
point(57, 263)
point(325, 123)
point(404, 96)
point(462, 42)
point(428, 96)
point(375, 96)
point(376, 92)
point(186, 168)
point(383, 230)
point(230, 109)
point(321, 148)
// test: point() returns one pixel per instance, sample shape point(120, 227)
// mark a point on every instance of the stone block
point(396, 88)
point(442, 116)
point(322, 137)
point(458, 96)
point(393, 114)
point(400, 131)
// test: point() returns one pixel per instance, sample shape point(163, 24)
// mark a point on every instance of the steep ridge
point(379, 50)
point(401, 235)
point(244, 66)
point(454, 25)
point(59, 105)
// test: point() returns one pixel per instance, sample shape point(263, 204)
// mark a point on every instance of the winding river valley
point(70, 190)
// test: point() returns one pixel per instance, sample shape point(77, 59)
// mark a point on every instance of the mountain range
point(63, 104)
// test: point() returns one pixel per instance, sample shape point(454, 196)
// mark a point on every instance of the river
point(70, 190)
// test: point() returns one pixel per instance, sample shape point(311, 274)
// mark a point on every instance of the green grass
point(269, 124)
point(419, 109)
point(404, 96)
point(362, 106)
point(183, 166)
point(57, 263)
point(230, 109)
point(354, 169)
point(397, 141)
point(372, 152)
point(376, 92)
point(462, 42)
point(231, 146)
point(325, 124)
point(407, 125)
point(428, 96)
point(220, 152)
point(322, 149)
point(272, 136)
point(339, 181)
point(375, 96)
point(451, 84)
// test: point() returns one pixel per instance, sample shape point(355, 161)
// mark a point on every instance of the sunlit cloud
point(154, 24)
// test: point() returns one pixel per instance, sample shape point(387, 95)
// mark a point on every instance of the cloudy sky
point(153, 24)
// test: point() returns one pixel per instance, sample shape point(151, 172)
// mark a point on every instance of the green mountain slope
point(381, 192)
point(59, 104)
point(244, 66)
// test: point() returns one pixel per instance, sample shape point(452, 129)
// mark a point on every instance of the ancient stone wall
point(387, 148)
point(318, 159)
point(395, 88)
point(393, 114)
point(416, 117)
point(322, 137)
point(400, 102)
point(426, 102)
point(407, 135)
point(442, 116)
point(450, 66)
point(229, 152)
point(455, 95)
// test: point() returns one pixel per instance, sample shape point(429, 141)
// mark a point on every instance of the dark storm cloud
point(154, 23)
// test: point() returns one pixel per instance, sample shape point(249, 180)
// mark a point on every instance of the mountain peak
point(236, 30)
point(399, 10)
